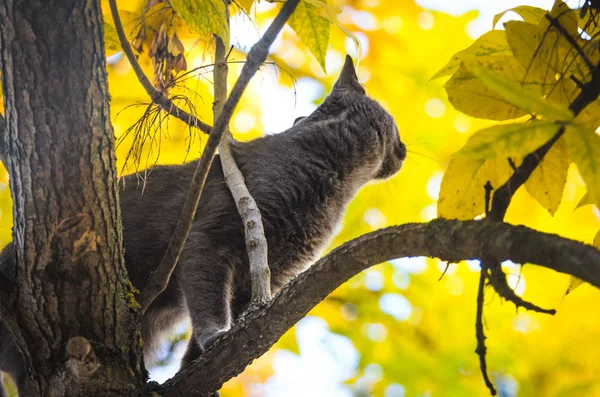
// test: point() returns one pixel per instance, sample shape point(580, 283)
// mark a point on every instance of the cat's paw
point(208, 342)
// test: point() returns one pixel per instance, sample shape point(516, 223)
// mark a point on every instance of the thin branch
point(503, 195)
point(448, 240)
point(257, 55)
point(256, 243)
point(481, 350)
point(497, 279)
point(156, 96)
point(571, 40)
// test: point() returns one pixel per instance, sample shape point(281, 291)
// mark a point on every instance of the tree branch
point(481, 350)
point(256, 243)
point(498, 280)
point(448, 240)
point(257, 55)
point(156, 96)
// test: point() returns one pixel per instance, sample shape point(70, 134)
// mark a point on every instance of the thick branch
point(257, 55)
point(156, 96)
point(448, 240)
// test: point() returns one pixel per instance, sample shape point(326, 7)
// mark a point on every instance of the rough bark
point(71, 280)
point(449, 240)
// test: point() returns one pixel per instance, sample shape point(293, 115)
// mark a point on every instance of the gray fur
point(301, 179)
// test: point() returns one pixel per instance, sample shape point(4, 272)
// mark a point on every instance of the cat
point(302, 180)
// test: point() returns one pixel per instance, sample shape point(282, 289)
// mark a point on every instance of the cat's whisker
point(423, 155)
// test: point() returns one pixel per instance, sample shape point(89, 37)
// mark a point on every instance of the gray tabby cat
point(301, 179)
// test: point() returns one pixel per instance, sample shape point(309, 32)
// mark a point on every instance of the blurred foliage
point(412, 332)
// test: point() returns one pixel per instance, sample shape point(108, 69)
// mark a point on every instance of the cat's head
point(349, 94)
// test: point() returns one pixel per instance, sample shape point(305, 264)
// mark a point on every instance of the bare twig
point(481, 350)
point(448, 240)
point(156, 96)
point(256, 243)
point(258, 53)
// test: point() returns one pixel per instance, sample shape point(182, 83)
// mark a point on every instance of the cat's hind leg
point(207, 287)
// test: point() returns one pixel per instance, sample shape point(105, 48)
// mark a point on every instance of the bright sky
point(326, 359)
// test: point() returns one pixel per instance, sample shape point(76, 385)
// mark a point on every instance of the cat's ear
point(348, 81)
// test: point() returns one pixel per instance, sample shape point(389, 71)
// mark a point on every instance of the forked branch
point(448, 240)
point(257, 55)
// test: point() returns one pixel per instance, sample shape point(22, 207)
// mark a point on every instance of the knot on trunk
point(81, 357)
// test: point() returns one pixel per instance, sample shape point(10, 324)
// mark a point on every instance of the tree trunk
point(71, 279)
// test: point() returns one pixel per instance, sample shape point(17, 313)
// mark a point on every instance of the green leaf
point(529, 14)
point(584, 150)
point(469, 95)
point(312, 29)
point(484, 50)
point(111, 40)
point(547, 182)
point(204, 16)
point(462, 192)
point(508, 140)
point(524, 99)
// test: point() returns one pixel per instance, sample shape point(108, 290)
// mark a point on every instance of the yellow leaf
point(547, 182)
point(585, 200)
point(469, 95)
point(246, 4)
point(544, 53)
point(484, 50)
point(584, 150)
point(111, 40)
point(567, 18)
point(524, 99)
point(327, 11)
point(508, 140)
point(204, 16)
point(590, 116)
point(575, 282)
point(529, 14)
point(312, 29)
point(462, 192)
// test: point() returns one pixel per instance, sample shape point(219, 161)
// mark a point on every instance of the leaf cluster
point(526, 76)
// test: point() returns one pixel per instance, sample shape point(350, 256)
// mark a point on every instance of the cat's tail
point(10, 358)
